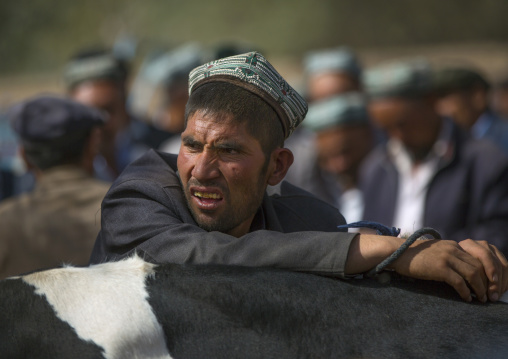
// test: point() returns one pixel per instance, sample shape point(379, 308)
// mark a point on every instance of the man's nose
point(206, 166)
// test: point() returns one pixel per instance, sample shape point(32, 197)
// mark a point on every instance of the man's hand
point(494, 264)
point(469, 264)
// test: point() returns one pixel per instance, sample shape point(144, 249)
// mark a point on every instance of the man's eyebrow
point(230, 144)
point(189, 140)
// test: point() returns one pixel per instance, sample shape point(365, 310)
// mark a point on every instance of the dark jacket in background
point(467, 198)
point(145, 210)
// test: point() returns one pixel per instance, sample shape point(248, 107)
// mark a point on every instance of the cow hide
point(134, 309)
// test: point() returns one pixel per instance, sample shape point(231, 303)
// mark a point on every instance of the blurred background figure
point(97, 78)
point(343, 138)
point(500, 97)
point(159, 92)
point(430, 172)
point(327, 74)
point(14, 176)
point(331, 72)
point(465, 97)
point(59, 220)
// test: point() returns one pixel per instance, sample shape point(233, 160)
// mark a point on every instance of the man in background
point(430, 173)
point(331, 72)
point(59, 220)
point(343, 138)
point(96, 78)
point(465, 97)
point(327, 73)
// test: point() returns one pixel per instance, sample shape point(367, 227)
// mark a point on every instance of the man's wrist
point(366, 251)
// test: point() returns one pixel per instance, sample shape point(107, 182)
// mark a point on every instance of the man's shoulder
point(300, 210)
point(480, 150)
point(155, 166)
point(12, 207)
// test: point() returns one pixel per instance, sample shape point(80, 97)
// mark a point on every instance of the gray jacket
point(146, 211)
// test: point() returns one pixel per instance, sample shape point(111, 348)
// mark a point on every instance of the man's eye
point(229, 151)
point(193, 146)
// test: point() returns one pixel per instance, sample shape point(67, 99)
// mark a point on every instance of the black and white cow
point(134, 309)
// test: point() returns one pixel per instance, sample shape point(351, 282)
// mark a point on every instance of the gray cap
point(94, 66)
point(339, 59)
point(404, 79)
point(51, 119)
point(343, 110)
point(174, 65)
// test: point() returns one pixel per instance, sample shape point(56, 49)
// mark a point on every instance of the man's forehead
point(220, 126)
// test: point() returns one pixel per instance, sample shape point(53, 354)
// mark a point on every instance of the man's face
point(106, 96)
point(413, 122)
point(223, 173)
point(464, 107)
point(328, 84)
point(342, 149)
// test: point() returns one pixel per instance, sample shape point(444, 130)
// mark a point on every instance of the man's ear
point(25, 159)
point(91, 149)
point(479, 99)
point(282, 159)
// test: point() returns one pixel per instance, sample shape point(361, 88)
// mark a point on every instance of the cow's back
point(261, 313)
point(237, 312)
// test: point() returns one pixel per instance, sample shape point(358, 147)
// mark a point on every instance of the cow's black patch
point(29, 327)
point(235, 312)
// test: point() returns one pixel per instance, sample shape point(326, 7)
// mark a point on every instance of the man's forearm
point(366, 251)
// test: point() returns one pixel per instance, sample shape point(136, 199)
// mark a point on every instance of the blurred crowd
point(404, 143)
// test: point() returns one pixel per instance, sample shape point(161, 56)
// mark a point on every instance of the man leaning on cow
point(222, 199)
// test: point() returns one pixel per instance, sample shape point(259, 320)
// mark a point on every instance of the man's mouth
point(207, 195)
point(207, 200)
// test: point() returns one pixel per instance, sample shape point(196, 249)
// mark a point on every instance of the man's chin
point(209, 222)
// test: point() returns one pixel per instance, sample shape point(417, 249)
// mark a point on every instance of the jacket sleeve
point(142, 216)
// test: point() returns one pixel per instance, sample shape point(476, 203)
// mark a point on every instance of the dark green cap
point(452, 79)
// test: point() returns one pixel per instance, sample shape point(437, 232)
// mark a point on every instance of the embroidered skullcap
point(254, 73)
point(452, 79)
point(404, 79)
point(94, 65)
point(342, 110)
point(340, 59)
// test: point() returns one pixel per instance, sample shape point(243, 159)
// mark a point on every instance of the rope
point(412, 238)
point(387, 231)
point(381, 229)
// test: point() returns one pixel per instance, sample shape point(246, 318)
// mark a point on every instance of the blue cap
point(343, 110)
point(46, 119)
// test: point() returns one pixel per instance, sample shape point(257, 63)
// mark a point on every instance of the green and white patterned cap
point(404, 79)
point(343, 110)
point(254, 73)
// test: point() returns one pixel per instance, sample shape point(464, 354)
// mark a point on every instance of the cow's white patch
point(106, 303)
